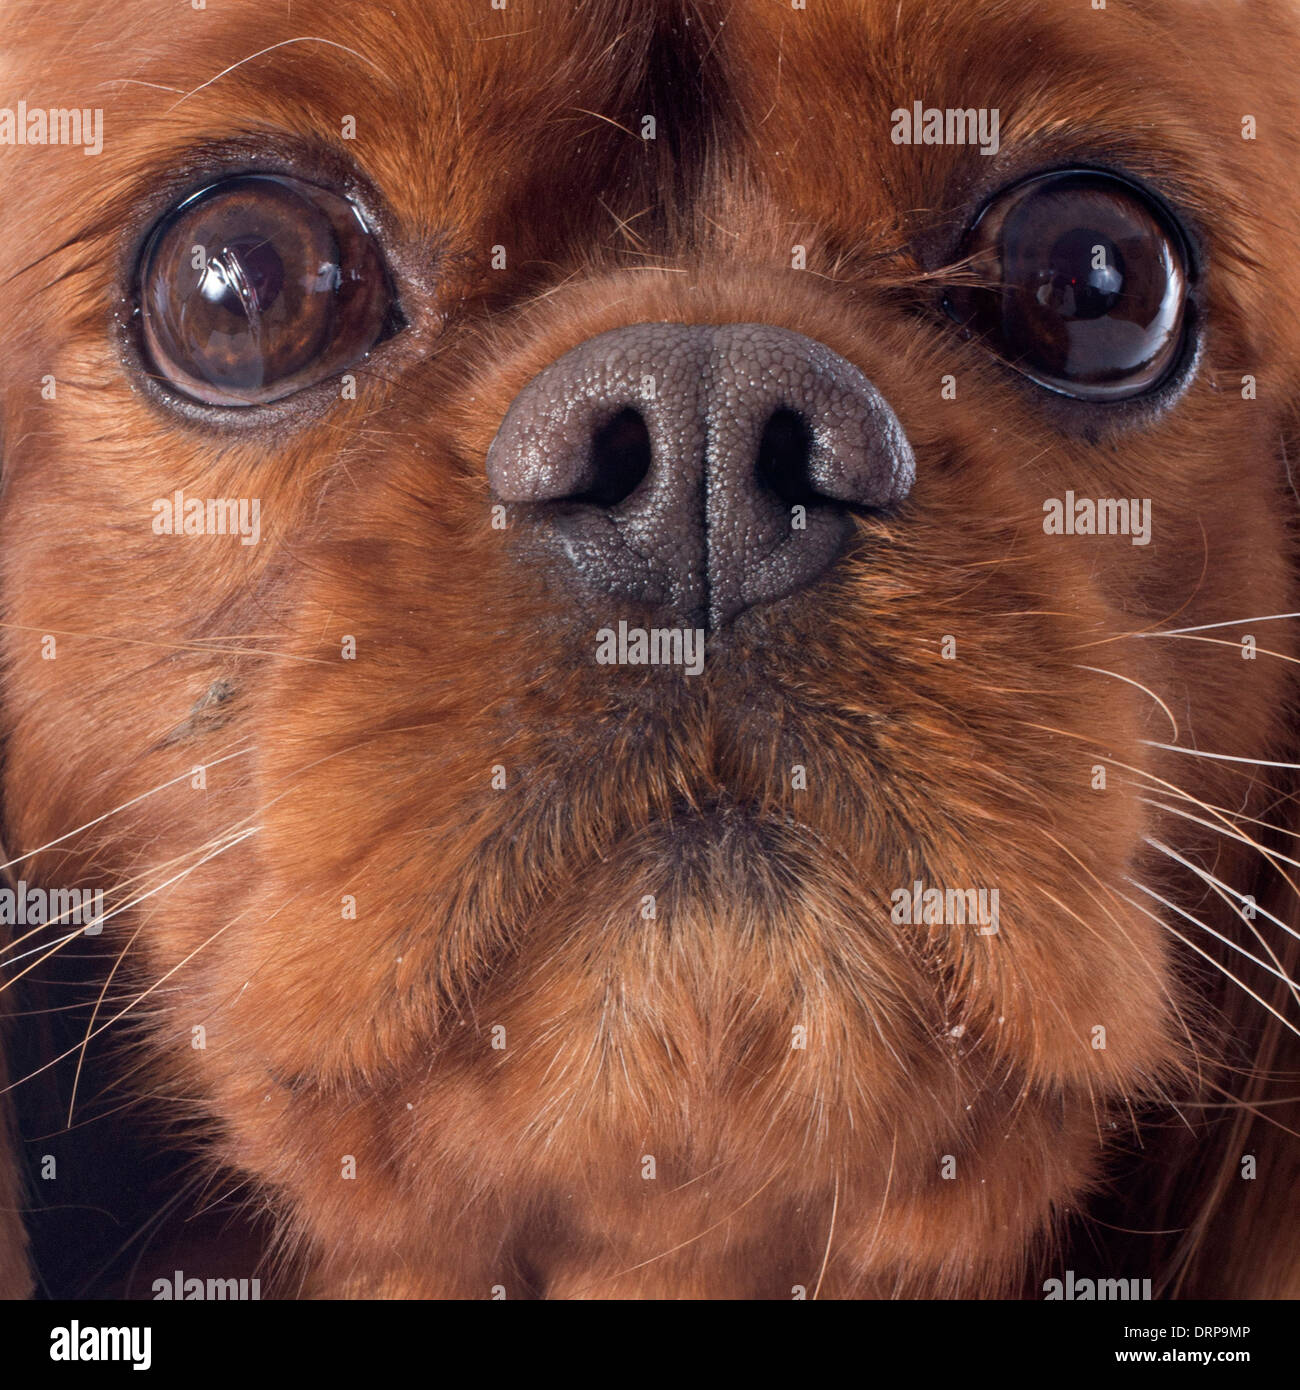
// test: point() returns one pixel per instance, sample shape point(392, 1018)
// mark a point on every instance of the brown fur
point(777, 1167)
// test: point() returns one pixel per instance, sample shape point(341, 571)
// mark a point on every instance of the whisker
point(1206, 627)
point(1219, 642)
point(270, 48)
point(121, 890)
point(1218, 965)
point(1223, 890)
point(94, 1014)
point(1161, 984)
point(52, 949)
point(1226, 814)
point(54, 1061)
point(189, 772)
point(1218, 935)
point(106, 916)
point(1138, 685)
point(1231, 833)
point(1218, 757)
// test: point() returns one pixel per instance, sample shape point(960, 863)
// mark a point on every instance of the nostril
point(619, 462)
point(784, 465)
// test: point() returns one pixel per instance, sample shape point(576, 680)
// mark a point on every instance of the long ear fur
point(1237, 1197)
point(15, 1270)
point(1229, 1193)
point(1206, 1207)
point(15, 1273)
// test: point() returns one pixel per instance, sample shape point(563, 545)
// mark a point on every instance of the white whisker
point(188, 773)
point(122, 1013)
point(1218, 965)
point(1218, 935)
point(1207, 627)
point(1218, 642)
point(134, 902)
point(1224, 890)
point(1217, 757)
point(1229, 832)
point(1146, 690)
point(44, 946)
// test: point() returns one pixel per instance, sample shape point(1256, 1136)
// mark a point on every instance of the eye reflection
point(245, 276)
point(259, 286)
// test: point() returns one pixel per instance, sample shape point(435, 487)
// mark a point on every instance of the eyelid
point(1190, 243)
point(178, 175)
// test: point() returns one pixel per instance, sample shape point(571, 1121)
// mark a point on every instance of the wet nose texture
point(703, 469)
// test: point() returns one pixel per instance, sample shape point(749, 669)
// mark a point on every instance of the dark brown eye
point(259, 286)
point(1082, 287)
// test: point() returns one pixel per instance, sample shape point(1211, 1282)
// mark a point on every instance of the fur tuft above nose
point(703, 469)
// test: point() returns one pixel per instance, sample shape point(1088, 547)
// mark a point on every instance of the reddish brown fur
point(777, 1167)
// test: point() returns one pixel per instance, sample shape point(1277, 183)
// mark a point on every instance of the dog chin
point(723, 910)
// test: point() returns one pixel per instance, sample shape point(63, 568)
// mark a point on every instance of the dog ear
point(1234, 1195)
point(15, 1271)
point(1204, 1207)
point(15, 1268)
point(1237, 1204)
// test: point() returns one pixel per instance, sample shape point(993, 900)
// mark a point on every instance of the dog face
point(493, 954)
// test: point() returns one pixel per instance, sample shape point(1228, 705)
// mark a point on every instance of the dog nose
point(703, 469)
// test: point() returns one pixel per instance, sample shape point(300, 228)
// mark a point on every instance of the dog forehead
point(830, 107)
point(189, 46)
point(430, 62)
point(404, 70)
point(422, 93)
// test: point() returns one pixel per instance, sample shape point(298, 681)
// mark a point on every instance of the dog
point(649, 647)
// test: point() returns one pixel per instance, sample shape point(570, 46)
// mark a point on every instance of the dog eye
point(259, 286)
point(1083, 284)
